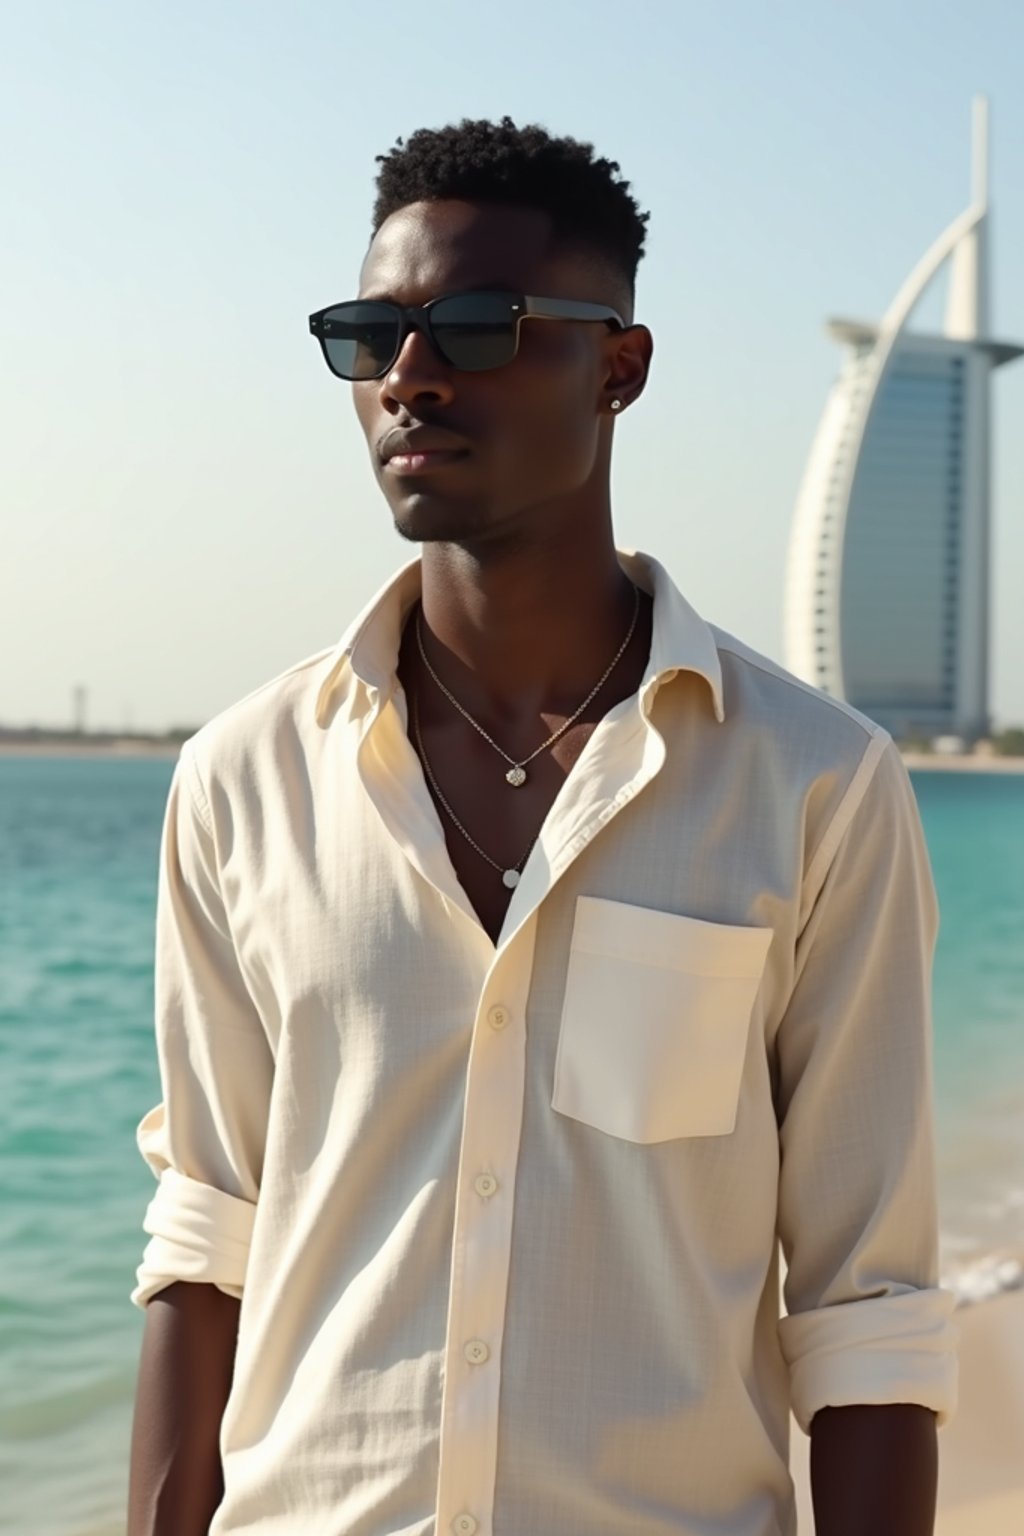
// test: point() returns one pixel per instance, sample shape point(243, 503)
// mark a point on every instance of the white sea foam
point(984, 1278)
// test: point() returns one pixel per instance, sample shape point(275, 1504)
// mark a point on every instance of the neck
point(525, 623)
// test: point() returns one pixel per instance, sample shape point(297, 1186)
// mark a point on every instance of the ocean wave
point(984, 1278)
point(67, 1407)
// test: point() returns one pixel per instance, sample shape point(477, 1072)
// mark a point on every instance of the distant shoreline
point(115, 748)
point(129, 747)
point(938, 762)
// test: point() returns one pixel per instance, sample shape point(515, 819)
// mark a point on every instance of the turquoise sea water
point(78, 852)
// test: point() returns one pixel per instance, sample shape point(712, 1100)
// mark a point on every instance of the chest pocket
point(654, 1025)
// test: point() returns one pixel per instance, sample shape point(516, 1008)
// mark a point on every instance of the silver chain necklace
point(509, 877)
point(517, 774)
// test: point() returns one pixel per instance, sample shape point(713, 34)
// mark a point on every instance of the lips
point(414, 450)
point(416, 463)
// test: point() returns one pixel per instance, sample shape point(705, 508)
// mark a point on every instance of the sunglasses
point(472, 331)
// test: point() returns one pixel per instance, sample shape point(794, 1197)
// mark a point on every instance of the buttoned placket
point(492, 1127)
point(624, 753)
point(482, 1240)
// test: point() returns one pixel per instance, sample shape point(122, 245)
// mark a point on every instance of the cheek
point(365, 405)
point(554, 400)
point(556, 423)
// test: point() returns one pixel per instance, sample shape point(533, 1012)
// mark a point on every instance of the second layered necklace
point(516, 774)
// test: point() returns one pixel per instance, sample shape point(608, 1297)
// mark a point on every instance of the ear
point(627, 365)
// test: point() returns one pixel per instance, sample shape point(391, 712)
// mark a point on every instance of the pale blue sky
point(187, 506)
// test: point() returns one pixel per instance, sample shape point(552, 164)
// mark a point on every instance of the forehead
point(430, 248)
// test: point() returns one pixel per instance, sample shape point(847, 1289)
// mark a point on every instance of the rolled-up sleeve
point(866, 1320)
point(205, 1140)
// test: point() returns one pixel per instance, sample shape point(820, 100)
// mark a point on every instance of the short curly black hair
point(588, 202)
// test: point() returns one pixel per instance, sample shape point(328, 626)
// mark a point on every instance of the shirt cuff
point(885, 1349)
point(198, 1233)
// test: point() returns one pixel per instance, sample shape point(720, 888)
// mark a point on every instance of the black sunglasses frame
point(417, 317)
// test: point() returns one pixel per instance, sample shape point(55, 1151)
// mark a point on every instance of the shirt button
point(476, 1352)
point(464, 1525)
point(485, 1185)
point(498, 1016)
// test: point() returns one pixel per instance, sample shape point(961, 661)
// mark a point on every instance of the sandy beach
point(981, 1451)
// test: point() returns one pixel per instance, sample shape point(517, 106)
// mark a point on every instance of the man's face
point(525, 437)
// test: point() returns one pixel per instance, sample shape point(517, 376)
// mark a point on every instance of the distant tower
point(79, 699)
point(887, 593)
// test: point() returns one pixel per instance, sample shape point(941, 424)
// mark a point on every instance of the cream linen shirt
point(505, 1219)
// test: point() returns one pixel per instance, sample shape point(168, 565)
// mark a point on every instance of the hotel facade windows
point(887, 589)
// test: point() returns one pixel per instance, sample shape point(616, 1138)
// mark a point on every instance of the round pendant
point(510, 877)
point(516, 776)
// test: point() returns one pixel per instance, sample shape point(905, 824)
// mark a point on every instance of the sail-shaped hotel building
point(887, 592)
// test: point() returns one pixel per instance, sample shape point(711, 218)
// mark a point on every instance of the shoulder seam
point(195, 787)
point(844, 813)
point(308, 663)
point(780, 674)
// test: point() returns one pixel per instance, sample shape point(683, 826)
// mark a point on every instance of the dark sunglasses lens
point(475, 331)
point(361, 340)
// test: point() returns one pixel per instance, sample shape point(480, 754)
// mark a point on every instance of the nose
point(417, 374)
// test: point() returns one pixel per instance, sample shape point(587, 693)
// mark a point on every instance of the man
point(530, 968)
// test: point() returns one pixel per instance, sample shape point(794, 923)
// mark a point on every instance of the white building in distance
point(887, 590)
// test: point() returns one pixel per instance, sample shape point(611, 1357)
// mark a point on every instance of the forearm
point(185, 1371)
point(874, 1470)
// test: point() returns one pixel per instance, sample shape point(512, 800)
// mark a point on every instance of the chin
point(425, 519)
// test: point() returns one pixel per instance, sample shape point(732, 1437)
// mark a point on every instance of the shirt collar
point(681, 641)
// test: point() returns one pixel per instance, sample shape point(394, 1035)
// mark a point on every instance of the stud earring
point(616, 405)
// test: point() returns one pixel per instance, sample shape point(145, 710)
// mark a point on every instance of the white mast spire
point(979, 152)
point(967, 303)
